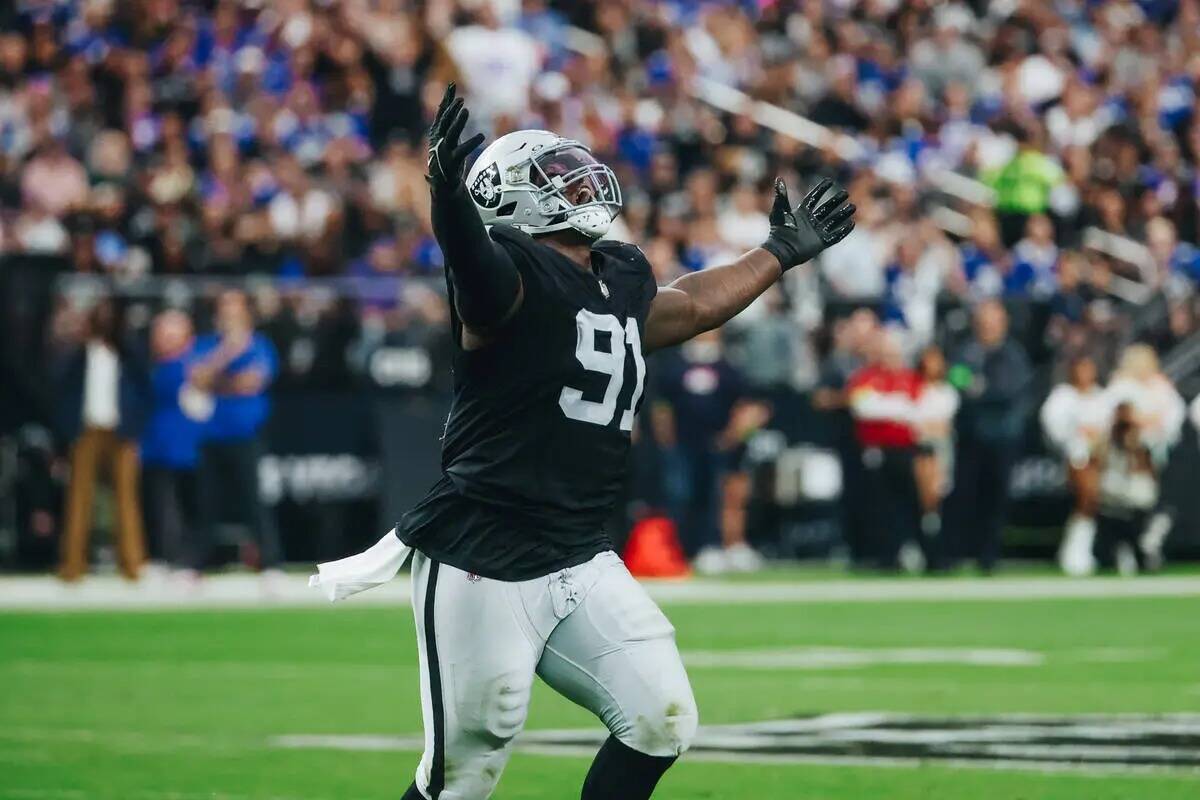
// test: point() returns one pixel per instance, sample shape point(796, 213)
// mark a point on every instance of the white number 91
point(610, 363)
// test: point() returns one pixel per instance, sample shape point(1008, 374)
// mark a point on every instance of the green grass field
point(181, 705)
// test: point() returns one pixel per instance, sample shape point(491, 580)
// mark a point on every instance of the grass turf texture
point(182, 705)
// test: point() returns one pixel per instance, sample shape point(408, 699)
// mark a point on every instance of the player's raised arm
point(486, 284)
point(707, 299)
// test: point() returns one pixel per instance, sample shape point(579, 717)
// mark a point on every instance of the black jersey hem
point(527, 572)
point(522, 511)
point(491, 541)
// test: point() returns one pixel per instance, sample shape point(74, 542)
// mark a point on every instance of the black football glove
point(800, 234)
point(446, 156)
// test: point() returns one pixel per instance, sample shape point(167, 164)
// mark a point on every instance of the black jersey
point(535, 447)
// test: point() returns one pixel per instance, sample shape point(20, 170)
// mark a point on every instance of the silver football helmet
point(540, 182)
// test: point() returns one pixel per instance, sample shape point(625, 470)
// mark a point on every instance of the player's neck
point(574, 246)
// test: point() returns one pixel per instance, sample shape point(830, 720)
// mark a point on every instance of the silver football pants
point(591, 632)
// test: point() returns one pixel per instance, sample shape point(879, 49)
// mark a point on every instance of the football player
point(513, 572)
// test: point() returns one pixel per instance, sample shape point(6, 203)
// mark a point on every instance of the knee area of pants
point(667, 732)
point(473, 778)
point(505, 706)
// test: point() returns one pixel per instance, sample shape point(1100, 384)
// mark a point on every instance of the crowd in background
point(232, 138)
point(934, 447)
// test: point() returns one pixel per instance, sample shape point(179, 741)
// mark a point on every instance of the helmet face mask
point(540, 183)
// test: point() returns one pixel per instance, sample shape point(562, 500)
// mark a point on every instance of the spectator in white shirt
point(1129, 492)
point(1075, 419)
point(1157, 406)
point(498, 65)
point(1158, 414)
point(933, 418)
point(300, 210)
point(54, 181)
point(103, 396)
point(855, 269)
point(1077, 119)
point(742, 223)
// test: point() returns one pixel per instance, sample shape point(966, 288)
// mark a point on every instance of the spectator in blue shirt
point(1035, 260)
point(984, 259)
point(233, 367)
point(171, 441)
point(1171, 256)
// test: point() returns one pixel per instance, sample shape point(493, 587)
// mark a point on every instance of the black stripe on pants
point(437, 770)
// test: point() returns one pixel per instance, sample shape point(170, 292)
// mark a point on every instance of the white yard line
point(856, 657)
point(44, 593)
point(34, 793)
point(201, 669)
point(933, 590)
point(131, 743)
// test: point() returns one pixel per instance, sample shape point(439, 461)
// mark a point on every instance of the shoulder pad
point(622, 250)
point(501, 232)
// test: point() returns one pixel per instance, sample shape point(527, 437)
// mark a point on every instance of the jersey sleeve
point(535, 287)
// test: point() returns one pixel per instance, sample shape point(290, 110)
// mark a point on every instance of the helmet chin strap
point(592, 222)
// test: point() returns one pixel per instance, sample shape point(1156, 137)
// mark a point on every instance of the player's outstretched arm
point(707, 299)
point(486, 283)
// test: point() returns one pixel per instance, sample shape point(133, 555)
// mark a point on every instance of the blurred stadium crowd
point(1029, 209)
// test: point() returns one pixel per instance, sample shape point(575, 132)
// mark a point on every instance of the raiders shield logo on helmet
point(486, 187)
